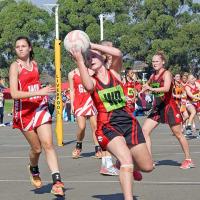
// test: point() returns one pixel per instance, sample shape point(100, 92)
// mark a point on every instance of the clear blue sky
point(41, 2)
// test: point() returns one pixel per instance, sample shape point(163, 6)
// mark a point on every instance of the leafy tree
point(84, 15)
point(23, 18)
point(172, 26)
point(139, 28)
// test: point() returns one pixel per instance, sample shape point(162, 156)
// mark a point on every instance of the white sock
point(103, 161)
point(109, 162)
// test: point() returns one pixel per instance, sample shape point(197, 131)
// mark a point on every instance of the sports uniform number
point(81, 88)
point(112, 98)
point(157, 85)
point(131, 91)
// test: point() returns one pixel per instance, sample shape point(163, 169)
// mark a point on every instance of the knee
point(148, 167)
point(82, 129)
point(126, 160)
point(47, 146)
point(37, 150)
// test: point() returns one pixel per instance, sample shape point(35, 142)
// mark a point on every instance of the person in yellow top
point(180, 96)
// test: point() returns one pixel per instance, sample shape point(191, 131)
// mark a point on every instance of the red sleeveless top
point(194, 90)
point(159, 82)
point(29, 81)
point(110, 96)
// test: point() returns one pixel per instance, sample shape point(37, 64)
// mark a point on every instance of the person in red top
point(184, 78)
point(180, 96)
point(117, 130)
point(193, 104)
point(130, 89)
point(82, 106)
point(160, 84)
point(31, 113)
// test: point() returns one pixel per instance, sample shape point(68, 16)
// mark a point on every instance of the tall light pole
point(58, 102)
point(101, 26)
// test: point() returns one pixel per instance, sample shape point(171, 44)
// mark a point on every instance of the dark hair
point(29, 44)
point(127, 70)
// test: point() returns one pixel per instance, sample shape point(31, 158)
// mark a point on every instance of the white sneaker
point(111, 171)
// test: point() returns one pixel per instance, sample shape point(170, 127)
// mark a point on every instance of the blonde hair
point(161, 54)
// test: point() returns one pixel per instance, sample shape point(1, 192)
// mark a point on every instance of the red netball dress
point(195, 91)
point(114, 118)
point(130, 93)
point(83, 103)
point(30, 113)
point(168, 111)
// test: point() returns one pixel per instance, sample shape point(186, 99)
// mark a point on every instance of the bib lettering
point(112, 98)
point(157, 85)
point(33, 88)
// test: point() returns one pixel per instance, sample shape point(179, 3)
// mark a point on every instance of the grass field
point(8, 106)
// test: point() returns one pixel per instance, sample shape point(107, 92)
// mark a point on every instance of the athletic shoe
point(35, 179)
point(137, 175)
point(57, 189)
point(198, 136)
point(76, 153)
point(98, 152)
point(111, 171)
point(186, 164)
point(188, 132)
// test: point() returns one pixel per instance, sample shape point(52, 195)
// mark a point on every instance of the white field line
point(25, 157)
point(99, 181)
point(162, 145)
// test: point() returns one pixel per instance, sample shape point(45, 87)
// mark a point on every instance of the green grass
point(8, 105)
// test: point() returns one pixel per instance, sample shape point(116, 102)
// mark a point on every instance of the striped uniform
point(30, 113)
point(83, 103)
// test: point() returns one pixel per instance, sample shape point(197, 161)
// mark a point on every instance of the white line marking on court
point(14, 145)
point(158, 154)
point(26, 145)
point(23, 157)
point(99, 181)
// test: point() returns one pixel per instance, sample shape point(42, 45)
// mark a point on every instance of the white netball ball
point(77, 39)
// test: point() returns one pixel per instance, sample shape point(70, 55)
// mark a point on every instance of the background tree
point(23, 18)
point(140, 28)
point(172, 26)
point(84, 15)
